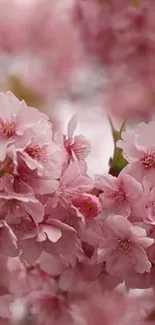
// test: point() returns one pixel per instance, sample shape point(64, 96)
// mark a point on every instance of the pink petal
point(53, 233)
point(119, 225)
point(51, 264)
point(70, 174)
point(72, 126)
point(31, 250)
point(83, 183)
point(143, 265)
point(36, 211)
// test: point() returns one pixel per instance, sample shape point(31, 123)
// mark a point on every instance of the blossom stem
point(117, 163)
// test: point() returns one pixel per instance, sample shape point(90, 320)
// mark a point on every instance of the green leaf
point(117, 163)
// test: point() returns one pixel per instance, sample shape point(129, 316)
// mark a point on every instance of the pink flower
point(122, 195)
point(89, 205)
point(67, 249)
point(29, 180)
point(15, 206)
point(13, 120)
point(38, 151)
point(139, 150)
point(123, 247)
point(77, 147)
point(71, 184)
point(33, 240)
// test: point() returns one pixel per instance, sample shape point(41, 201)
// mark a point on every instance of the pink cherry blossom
point(14, 206)
point(71, 183)
point(123, 247)
point(138, 149)
point(67, 249)
point(13, 184)
point(121, 195)
point(77, 147)
point(39, 152)
point(13, 121)
point(88, 204)
point(26, 233)
point(32, 239)
point(29, 180)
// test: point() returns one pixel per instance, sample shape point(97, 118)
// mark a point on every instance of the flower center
point(37, 153)
point(120, 196)
point(148, 160)
point(7, 129)
point(124, 246)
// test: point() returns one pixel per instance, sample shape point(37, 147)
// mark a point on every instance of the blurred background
point(94, 58)
point(43, 60)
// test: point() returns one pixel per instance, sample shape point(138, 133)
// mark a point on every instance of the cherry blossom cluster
point(62, 225)
point(76, 249)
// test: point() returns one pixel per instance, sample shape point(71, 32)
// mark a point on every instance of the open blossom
point(120, 195)
point(74, 236)
point(67, 240)
point(49, 235)
point(38, 151)
point(88, 204)
point(14, 122)
point(124, 247)
point(14, 206)
point(29, 180)
point(71, 183)
point(78, 147)
point(139, 150)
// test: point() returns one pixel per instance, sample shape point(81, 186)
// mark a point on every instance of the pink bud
point(88, 204)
